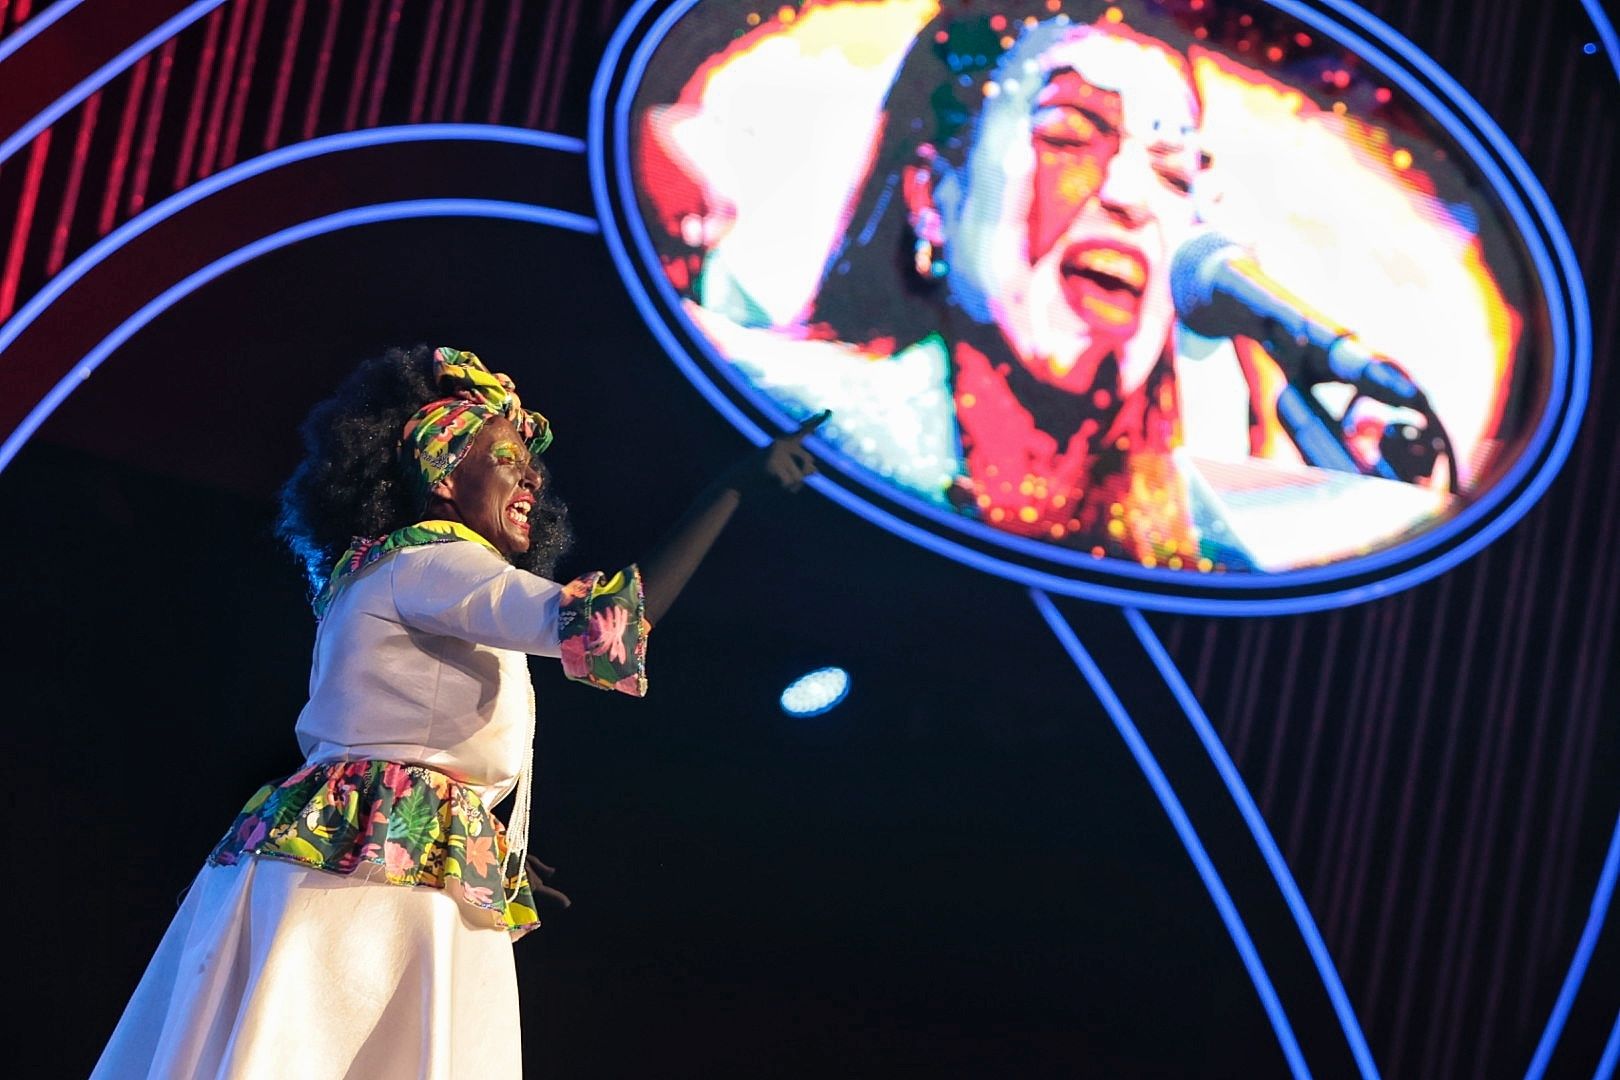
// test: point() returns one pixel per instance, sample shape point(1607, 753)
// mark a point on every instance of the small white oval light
point(815, 693)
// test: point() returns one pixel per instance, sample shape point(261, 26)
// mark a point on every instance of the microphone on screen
point(1219, 290)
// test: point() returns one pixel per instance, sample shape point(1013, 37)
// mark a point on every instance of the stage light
point(816, 693)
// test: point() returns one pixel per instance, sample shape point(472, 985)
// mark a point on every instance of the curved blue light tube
point(344, 219)
point(275, 159)
point(1262, 837)
point(105, 73)
point(1611, 46)
point(31, 29)
point(621, 258)
point(1611, 1054)
point(1184, 829)
point(1577, 967)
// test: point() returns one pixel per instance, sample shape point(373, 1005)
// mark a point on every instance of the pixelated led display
point(1183, 284)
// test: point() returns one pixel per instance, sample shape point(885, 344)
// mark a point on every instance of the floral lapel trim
point(363, 552)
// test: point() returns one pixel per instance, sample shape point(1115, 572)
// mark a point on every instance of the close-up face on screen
point(1188, 285)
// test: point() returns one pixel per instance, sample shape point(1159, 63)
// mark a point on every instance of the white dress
point(271, 968)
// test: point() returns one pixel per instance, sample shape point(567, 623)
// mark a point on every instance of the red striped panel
point(121, 149)
point(154, 118)
point(199, 91)
point(284, 70)
point(323, 66)
point(244, 82)
point(70, 191)
point(24, 219)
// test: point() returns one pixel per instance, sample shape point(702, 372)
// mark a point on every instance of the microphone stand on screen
point(1219, 290)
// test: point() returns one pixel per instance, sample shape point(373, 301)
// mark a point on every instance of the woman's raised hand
point(783, 460)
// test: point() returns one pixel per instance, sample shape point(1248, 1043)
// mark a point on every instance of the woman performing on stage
point(357, 918)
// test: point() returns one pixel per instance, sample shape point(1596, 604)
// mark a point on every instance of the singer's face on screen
point(1077, 191)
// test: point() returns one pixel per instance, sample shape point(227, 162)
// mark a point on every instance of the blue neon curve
point(1611, 1053)
point(31, 29)
point(1570, 413)
point(1577, 966)
point(1183, 826)
point(1262, 838)
point(343, 219)
point(1611, 45)
point(275, 159)
point(604, 212)
point(103, 74)
point(1566, 436)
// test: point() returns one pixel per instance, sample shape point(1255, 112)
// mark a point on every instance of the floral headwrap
point(436, 438)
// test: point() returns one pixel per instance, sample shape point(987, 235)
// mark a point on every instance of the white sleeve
point(463, 590)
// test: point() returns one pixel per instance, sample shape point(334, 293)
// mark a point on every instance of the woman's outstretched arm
point(670, 565)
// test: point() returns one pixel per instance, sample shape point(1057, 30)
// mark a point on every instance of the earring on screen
point(923, 261)
point(926, 251)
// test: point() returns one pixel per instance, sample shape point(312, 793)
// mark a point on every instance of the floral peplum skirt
point(412, 824)
point(316, 958)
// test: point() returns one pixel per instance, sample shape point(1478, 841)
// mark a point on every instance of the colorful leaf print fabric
point(603, 628)
point(416, 825)
point(438, 435)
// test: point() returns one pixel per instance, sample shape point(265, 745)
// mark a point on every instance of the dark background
point(960, 871)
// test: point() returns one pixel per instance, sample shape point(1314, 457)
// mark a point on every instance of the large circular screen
point(1189, 302)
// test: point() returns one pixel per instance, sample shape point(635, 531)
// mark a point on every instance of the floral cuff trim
point(417, 825)
point(603, 629)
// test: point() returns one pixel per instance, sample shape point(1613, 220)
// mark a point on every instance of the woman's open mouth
point(1103, 283)
point(518, 513)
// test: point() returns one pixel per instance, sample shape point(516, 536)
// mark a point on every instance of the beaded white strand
point(517, 829)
